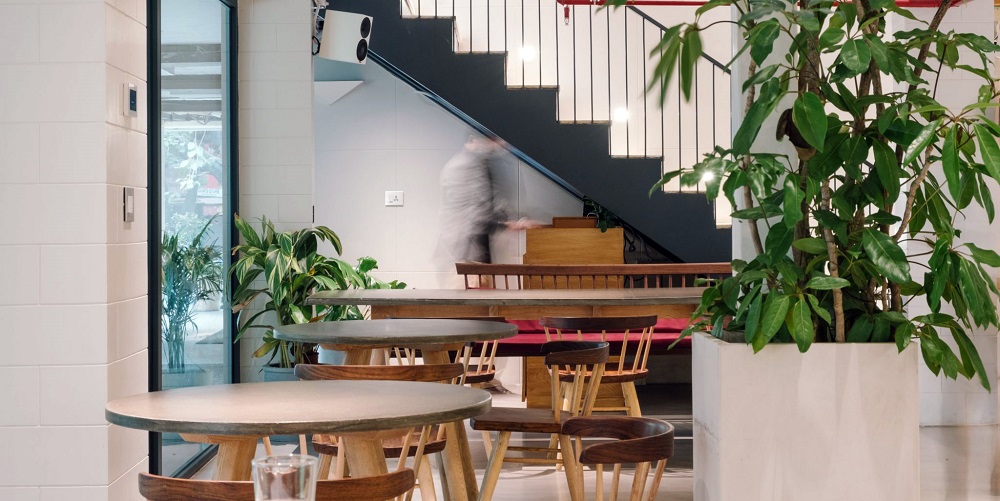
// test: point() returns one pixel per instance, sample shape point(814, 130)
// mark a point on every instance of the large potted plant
point(852, 229)
point(190, 272)
point(280, 270)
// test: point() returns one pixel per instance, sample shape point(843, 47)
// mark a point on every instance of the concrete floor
point(956, 462)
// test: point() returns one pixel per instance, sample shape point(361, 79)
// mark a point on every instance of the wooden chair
point(416, 445)
point(480, 365)
point(379, 488)
point(641, 441)
point(571, 356)
point(631, 358)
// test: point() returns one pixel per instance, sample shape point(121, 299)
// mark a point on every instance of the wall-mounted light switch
point(130, 104)
point(394, 199)
point(128, 204)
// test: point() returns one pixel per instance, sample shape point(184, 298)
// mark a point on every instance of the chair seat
point(610, 376)
point(473, 378)
point(390, 446)
point(521, 420)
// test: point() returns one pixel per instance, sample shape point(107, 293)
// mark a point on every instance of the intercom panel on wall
point(345, 37)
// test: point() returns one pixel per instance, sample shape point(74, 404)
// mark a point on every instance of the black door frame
point(154, 229)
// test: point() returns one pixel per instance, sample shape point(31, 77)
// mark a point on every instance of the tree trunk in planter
point(840, 421)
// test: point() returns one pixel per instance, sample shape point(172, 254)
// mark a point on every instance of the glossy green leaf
point(690, 54)
point(827, 283)
point(990, 151)
point(861, 331)
point(970, 357)
point(778, 241)
point(903, 334)
point(855, 55)
point(761, 109)
point(920, 142)
point(811, 245)
point(792, 205)
point(761, 40)
point(887, 169)
point(775, 310)
point(985, 256)
point(886, 254)
point(800, 325)
point(949, 163)
point(819, 309)
point(809, 117)
point(830, 37)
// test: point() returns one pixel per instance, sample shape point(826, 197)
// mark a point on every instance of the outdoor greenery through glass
point(881, 172)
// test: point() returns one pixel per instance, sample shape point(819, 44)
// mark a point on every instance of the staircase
point(565, 86)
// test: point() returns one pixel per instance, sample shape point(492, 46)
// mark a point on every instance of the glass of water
point(285, 478)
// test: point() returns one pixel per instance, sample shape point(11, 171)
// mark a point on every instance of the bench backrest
point(589, 276)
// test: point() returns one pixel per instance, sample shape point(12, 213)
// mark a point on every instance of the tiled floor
point(956, 462)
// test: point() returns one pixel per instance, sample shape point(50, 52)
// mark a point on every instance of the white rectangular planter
point(839, 422)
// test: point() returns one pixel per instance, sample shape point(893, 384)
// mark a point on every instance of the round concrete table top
point(396, 332)
point(294, 407)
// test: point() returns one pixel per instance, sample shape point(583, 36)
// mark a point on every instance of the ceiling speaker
point(345, 37)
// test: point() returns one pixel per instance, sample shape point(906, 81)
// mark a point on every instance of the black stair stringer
point(684, 224)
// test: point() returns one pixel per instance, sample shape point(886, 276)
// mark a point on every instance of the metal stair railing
point(598, 59)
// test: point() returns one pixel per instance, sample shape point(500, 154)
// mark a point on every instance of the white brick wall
point(276, 137)
point(73, 293)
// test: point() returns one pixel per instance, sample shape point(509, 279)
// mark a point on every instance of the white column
point(276, 120)
point(73, 292)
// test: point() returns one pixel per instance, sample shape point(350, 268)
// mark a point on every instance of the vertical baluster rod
point(628, 143)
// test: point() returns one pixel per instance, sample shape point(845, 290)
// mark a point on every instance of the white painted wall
point(383, 136)
point(73, 292)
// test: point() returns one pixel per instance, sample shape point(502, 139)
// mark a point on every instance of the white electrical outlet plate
point(394, 199)
point(128, 204)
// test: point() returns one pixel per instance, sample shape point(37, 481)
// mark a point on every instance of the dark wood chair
point(639, 441)
point(628, 366)
point(562, 357)
point(417, 445)
point(379, 488)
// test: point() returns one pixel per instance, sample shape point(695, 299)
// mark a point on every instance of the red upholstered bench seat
point(531, 335)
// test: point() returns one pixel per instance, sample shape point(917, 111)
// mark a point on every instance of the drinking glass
point(290, 477)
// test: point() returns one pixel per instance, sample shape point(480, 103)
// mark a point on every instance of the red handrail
point(901, 3)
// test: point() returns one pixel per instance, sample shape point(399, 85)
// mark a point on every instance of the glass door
point(194, 179)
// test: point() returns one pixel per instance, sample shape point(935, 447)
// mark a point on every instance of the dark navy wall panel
point(526, 118)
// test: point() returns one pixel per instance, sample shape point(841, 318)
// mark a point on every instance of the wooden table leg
point(457, 456)
point(358, 356)
point(364, 454)
point(458, 463)
point(234, 457)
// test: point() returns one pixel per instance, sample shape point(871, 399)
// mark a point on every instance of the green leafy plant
point(189, 273)
point(880, 175)
point(605, 218)
point(282, 270)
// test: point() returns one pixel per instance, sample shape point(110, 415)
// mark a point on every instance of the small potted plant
point(854, 225)
point(280, 271)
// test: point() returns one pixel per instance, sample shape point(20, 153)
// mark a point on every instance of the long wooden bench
point(599, 276)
